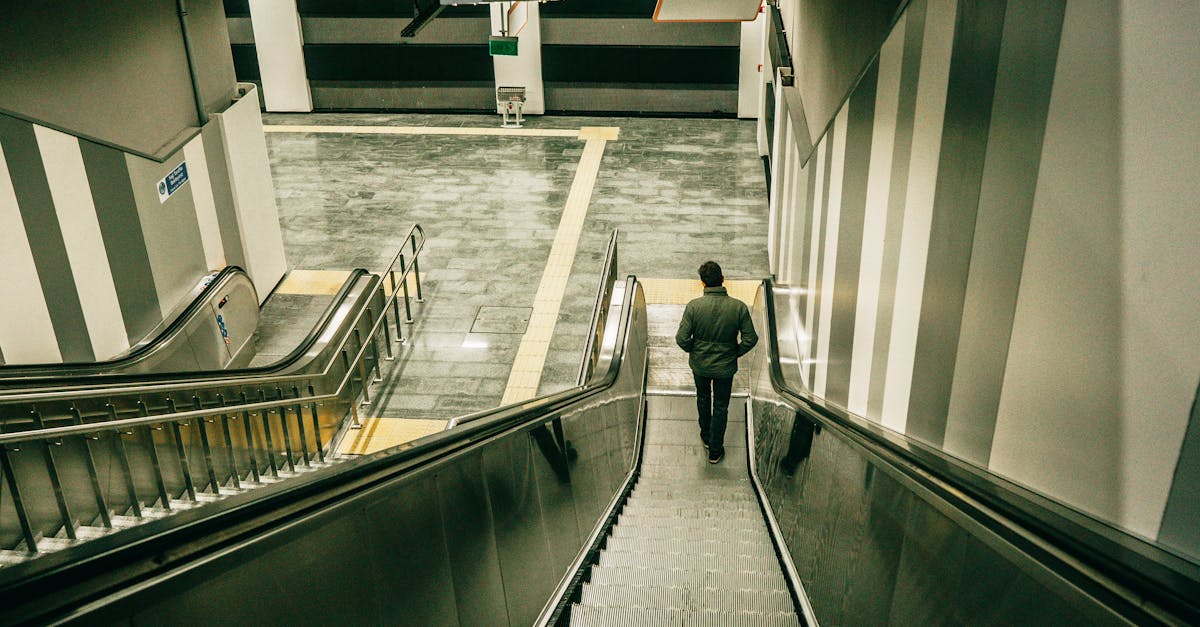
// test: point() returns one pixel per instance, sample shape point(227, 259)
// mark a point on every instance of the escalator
point(593, 506)
point(89, 450)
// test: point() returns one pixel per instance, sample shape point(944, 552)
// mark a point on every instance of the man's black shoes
point(716, 457)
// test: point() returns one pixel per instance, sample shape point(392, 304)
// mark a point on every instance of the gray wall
point(997, 237)
point(113, 72)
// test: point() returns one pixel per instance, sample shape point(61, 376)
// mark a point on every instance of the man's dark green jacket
point(709, 333)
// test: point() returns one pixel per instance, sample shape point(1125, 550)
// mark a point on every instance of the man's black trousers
point(712, 405)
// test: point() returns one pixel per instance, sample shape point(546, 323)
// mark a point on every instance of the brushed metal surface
point(871, 549)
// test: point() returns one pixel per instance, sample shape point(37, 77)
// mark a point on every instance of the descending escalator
point(592, 506)
point(690, 545)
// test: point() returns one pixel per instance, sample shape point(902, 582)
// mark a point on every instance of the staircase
point(690, 546)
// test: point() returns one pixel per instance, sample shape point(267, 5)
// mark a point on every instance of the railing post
point(160, 483)
point(354, 421)
point(396, 308)
point(253, 449)
point(404, 284)
point(234, 479)
point(362, 368)
point(55, 483)
point(202, 423)
point(287, 433)
point(22, 516)
point(387, 338)
point(317, 423)
point(300, 426)
point(93, 476)
point(181, 450)
point(119, 444)
point(266, 423)
point(412, 237)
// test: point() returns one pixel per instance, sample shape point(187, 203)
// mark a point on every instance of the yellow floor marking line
point(380, 433)
point(313, 282)
point(680, 291)
point(531, 354)
point(428, 130)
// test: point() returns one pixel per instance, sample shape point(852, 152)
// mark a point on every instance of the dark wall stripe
point(124, 244)
point(640, 64)
point(1182, 516)
point(245, 62)
point(600, 8)
point(398, 62)
point(380, 8)
point(859, 130)
point(972, 83)
point(28, 175)
point(914, 35)
point(1028, 56)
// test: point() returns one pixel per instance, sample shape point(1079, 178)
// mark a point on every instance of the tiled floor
point(681, 190)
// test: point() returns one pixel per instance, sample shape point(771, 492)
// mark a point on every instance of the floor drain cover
point(511, 320)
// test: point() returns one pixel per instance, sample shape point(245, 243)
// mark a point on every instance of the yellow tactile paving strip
point(314, 282)
point(531, 354)
point(681, 291)
point(377, 434)
point(430, 130)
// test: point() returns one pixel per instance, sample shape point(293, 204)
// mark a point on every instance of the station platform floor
point(517, 223)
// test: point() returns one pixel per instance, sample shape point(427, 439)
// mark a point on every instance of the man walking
point(709, 333)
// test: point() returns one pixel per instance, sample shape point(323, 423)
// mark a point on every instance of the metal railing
point(172, 459)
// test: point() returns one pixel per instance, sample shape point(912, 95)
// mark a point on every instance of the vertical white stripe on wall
point(88, 260)
point(279, 44)
point(26, 332)
point(813, 248)
point(829, 266)
point(928, 120)
point(796, 236)
point(883, 139)
point(206, 206)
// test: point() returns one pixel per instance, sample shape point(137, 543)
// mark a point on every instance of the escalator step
point(689, 561)
point(619, 616)
point(667, 532)
point(705, 546)
point(698, 512)
point(765, 601)
point(741, 527)
point(623, 616)
point(678, 578)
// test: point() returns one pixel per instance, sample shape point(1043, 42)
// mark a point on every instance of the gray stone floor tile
point(681, 190)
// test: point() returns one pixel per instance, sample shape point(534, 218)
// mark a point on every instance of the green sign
point(502, 46)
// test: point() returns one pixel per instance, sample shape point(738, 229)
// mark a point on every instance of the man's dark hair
point(710, 273)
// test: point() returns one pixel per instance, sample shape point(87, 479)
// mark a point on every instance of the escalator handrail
point(115, 563)
point(608, 275)
point(72, 381)
point(147, 344)
point(1052, 532)
point(93, 427)
point(232, 377)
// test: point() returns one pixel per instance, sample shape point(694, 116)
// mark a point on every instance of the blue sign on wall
point(171, 182)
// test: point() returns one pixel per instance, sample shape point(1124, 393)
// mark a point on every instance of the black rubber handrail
point(71, 377)
point(50, 587)
point(1149, 571)
point(8, 371)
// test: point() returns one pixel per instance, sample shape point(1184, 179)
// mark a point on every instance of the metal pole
point(191, 61)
